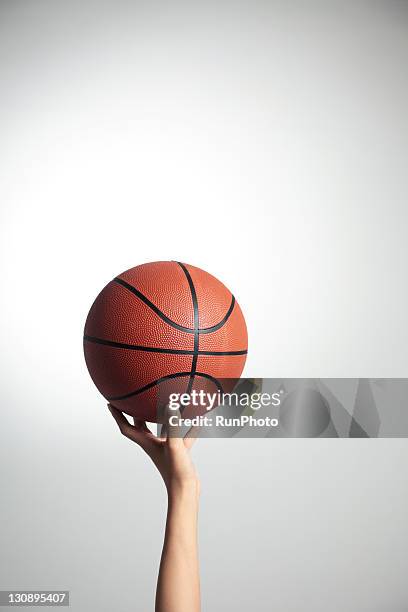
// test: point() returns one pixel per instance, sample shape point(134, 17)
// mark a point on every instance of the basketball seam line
point(196, 325)
point(162, 379)
point(188, 330)
point(153, 349)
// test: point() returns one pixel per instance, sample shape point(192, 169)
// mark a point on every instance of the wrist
point(183, 490)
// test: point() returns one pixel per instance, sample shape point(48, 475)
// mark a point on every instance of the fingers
point(174, 437)
point(173, 432)
point(138, 432)
point(163, 431)
point(191, 436)
point(141, 425)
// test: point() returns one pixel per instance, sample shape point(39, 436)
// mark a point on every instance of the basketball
point(159, 328)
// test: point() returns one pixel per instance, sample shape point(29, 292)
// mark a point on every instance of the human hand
point(170, 454)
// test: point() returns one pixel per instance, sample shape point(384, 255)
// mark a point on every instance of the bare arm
point(178, 584)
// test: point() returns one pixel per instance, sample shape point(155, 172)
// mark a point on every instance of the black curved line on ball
point(209, 330)
point(196, 325)
point(163, 379)
point(188, 330)
point(153, 349)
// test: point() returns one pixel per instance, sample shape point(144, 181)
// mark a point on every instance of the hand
point(170, 454)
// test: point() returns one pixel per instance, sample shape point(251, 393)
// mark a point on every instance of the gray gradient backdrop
point(265, 142)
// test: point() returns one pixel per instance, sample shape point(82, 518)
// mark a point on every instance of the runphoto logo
point(206, 400)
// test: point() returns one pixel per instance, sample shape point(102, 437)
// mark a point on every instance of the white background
point(266, 143)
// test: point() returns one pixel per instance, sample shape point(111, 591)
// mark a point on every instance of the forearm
point(178, 585)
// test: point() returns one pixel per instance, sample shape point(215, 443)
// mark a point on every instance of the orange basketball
point(163, 325)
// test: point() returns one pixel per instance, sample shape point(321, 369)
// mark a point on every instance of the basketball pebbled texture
point(160, 328)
